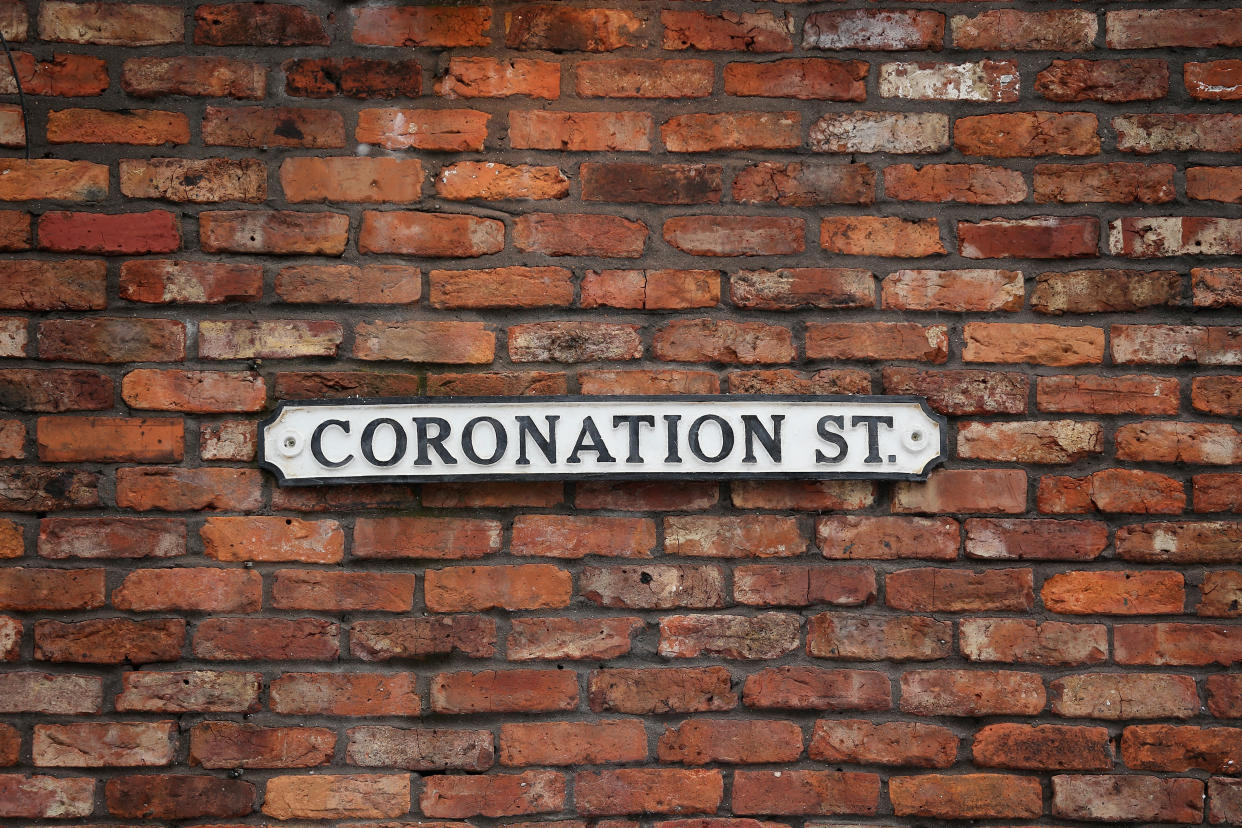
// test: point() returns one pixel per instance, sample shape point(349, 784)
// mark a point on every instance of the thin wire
point(21, 96)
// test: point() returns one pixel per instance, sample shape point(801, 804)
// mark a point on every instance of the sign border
point(484, 478)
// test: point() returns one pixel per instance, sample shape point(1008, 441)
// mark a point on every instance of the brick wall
point(1027, 215)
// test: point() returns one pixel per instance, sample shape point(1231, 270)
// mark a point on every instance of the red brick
point(437, 130)
point(1175, 344)
point(547, 639)
point(648, 382)
point(256, 126)
point(558, 29)
point(730, 32)
point(648, 791)
point(279, 232)
point(961, 391)
point(1030, 441)
point(1224, 800)
point(1027, 134)
point(488, 181)
point(808, 495)
point(269, 639)
point(1035, 539)
point(1105, 291)
point(502, 287)
point(1224, 696)
point(13, 131)
point(272, 539)
point(176, 796)
point(337, 796)
point(709, 340)
point(1049, 643)
point(477, 588)
point(1207, 542)
point(951, 590)
point(447, 342)
point(880, 236)
point(1177, 644)
point(192, 588)
point(1217, 493)
point(965, 183)
point(504, 384)
point(257, 24)
point(1112, 490)
point(1122, 183)
point(573, 342)
point(954, 290)
point(341, 384)
point(363, 78)
point(10, 745)
point(816, 792)
point(866, 132)
point(470, 635)
point(345, 694)
point(159, 281)
point(1128, 798)
point(508, 691)
point(15, 231)
point(234, 745)
point(425, 538)
point(816, 79)
point(493, 795)
point(788, 381)
point(756, 536)
point(580, 131)
point(1214, 183)
point(420, 750)
point(440, 26)
point(1154, 28)
point(887, 538)
point(38, 797)
point(1179, 749)
point(429, 234)
point(1163, 132)
point(205, 181)
point(646, 496)
point(1041, 237)
point(267, 339)
point(1009, 29)
point(189, 691)
point(851, 637)
point(648, 183)
point(205, 77)
point(235, 440)
point(579, 235)
point(967, 796)
point(1038, 344)
point(142, 127)
point(1178, 442)
point(971, 693)
point(104, 24)
point(1109, 81)
point(661, 690)
point(486, 77)
point(41, 489)
point(735, 235)
point(111, 537)
point(573, 743)
point(770, 635)
point(50, 178)
point(310, 589)
point(29, 589)
point(964, 490)
point(176, 490)
point(73, 284)
point(12, 439)
point(656, 586)
point(112, 744)
point(790, 288)
point(872, 30)
point(650, 289)
point(640, 78)
point(157, 231)
point(1216, 80)
point(61, 694)
point(69, 76)
point(732, 131)
point(345, 179)
point(805, 185)
point(985, 81)
point(570, 536)
point(155, 389)
point(1114, 593)
point(109, 641)
point(12, 539)
point(874, 341)
point(860, 742)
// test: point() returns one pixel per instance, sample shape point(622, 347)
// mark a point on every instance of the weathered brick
point(345, 694)
point(50, 178)
point(1040, 237)
point(1122, 183)
point(808, 495)
point(1153, 28)
point(47, 488)
point(1032, 441)
point(1217, 80)
point(266, 639)
point(880, 236)
point(28, 589)
point(272, 539)
point(60, 694)
point(951, 590)
point(337, 796)
point(204, 181)
point(851, 637)
point(877, 341)
point(971, 693)
point(961, 391)
point(204, 77)
point(967, 796)
point(140, 127)
point(436, 130)
point(257, 24)
point(257, 126)
point(41, 797)
point(655, 586)
point(1217, 493)
point(363, 78)
point(111, 537)
point(508, 691)
point(887, 538)
point(470, 635)
point(105, 24)
point(1165, 132)
point(1027, 134)
point(109, 641)
point(561, 29)
point(581, 131)
point(447, 342)
point(1114, 593)
point(1179, 442)
point(788, 381)
point(1112, 490)
point(477, 588)
point(802, 78)
point(800, 586)
point(486, 77)
point(573, 743)
point(770, 635)
point(966, 183)
point(176, 489)
point(425, 538)
point(544, 639)
point(193, 588)
point(236, 745)
point(429, 234)
point(574, 342)
point(735, 235)
point(648, 791)
point(641, 78)
point(907, 744)
point(1021, 641)
point(1177, 644)
point(1038, 344)
point(661, 690)
point(1179, 749)
point(985, 81)
point(163, 281)
point(650, 289)
point(487, 181)
point(890, 132)
point(420, 750)
point(310, 589)
point(648, 382)
point(872, 30)
point(440, 26)
point(71, 284)
point(1009, 29)
point(188, 691)
point(953, 290)
point(1208, 542)
point(1109, 81)
point(732, 131)
point(964, 490)
point(267, 339)
point(1127, 798)
point(279, 232)
point(113, 744)
point(178, 796)
point(815, 792)
point(760, 31)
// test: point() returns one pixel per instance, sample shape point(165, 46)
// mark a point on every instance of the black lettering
point(316, 444)
point(771, 442)
point(831, 437)
point(873, 423)
point(634, 421)
point(368, 441)
point(467, 440)
point(435, 441)
point(671, 427)
point(526, 427)
point(726, 438)
point(589, 439)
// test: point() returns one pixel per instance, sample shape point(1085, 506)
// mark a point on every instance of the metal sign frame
point(869, 401)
